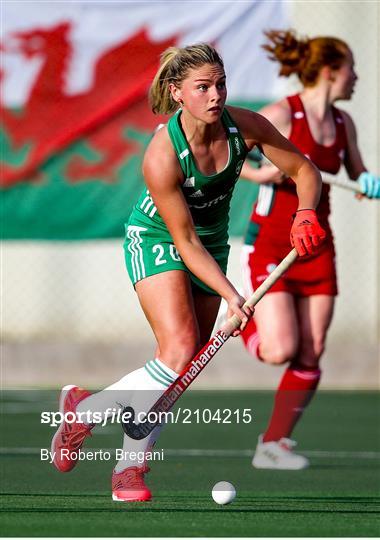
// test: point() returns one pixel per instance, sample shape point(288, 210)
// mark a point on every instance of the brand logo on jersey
point(197, 194)
point(209, 203)
point(237, 146)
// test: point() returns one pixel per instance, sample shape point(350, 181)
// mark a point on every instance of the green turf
point(338, 496)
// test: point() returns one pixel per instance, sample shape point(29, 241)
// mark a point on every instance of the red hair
point(304, 57)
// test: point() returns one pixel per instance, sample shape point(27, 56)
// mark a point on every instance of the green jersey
point(208, 197)
point(149, 247)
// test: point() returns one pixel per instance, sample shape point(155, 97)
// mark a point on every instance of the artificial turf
point(337, 496)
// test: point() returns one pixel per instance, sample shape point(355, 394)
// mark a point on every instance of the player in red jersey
point(291, 322)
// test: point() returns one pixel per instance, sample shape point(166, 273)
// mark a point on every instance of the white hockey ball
point(223, 493)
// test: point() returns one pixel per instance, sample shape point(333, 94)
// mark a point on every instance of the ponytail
point(304, 57)
point(160, 97)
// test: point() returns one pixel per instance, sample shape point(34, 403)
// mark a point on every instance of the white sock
point(110, 399)
point(121, 392)
point(154, 379)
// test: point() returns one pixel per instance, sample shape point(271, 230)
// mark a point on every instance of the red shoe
point(128, 485)
point(69, 437)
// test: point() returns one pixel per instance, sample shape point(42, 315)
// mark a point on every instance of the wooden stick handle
point(351, 185)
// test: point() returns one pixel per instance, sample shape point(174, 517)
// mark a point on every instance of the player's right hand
point(370, 185)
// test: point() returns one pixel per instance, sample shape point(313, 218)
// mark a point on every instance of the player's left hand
point(370, 185)
point(236, 306)
point(306, 234)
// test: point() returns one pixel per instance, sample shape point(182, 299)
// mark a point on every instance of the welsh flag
point(75, 118)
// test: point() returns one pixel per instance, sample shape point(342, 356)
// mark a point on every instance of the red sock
point(294, 393)
point(251, 338)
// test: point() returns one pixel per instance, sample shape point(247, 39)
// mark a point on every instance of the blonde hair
point(175, 64)
point(304, 57)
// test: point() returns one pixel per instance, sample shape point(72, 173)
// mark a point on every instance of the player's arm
point(353, 162)
point(163, 177)
point(257, 130)
point(306, 233)
point(279, 115)
point(266, 174)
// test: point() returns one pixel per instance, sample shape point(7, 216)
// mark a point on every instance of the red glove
point(306, 234)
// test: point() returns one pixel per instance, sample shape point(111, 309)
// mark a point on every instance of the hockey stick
point(198, 363)
point(348, 184)
point(351, 185)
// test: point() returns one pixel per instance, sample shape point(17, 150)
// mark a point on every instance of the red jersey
point(277, 203)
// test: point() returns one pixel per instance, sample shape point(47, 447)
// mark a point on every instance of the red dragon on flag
point(51, 120)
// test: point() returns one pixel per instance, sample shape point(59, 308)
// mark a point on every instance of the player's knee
point(277, 355)
point(181, 349)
